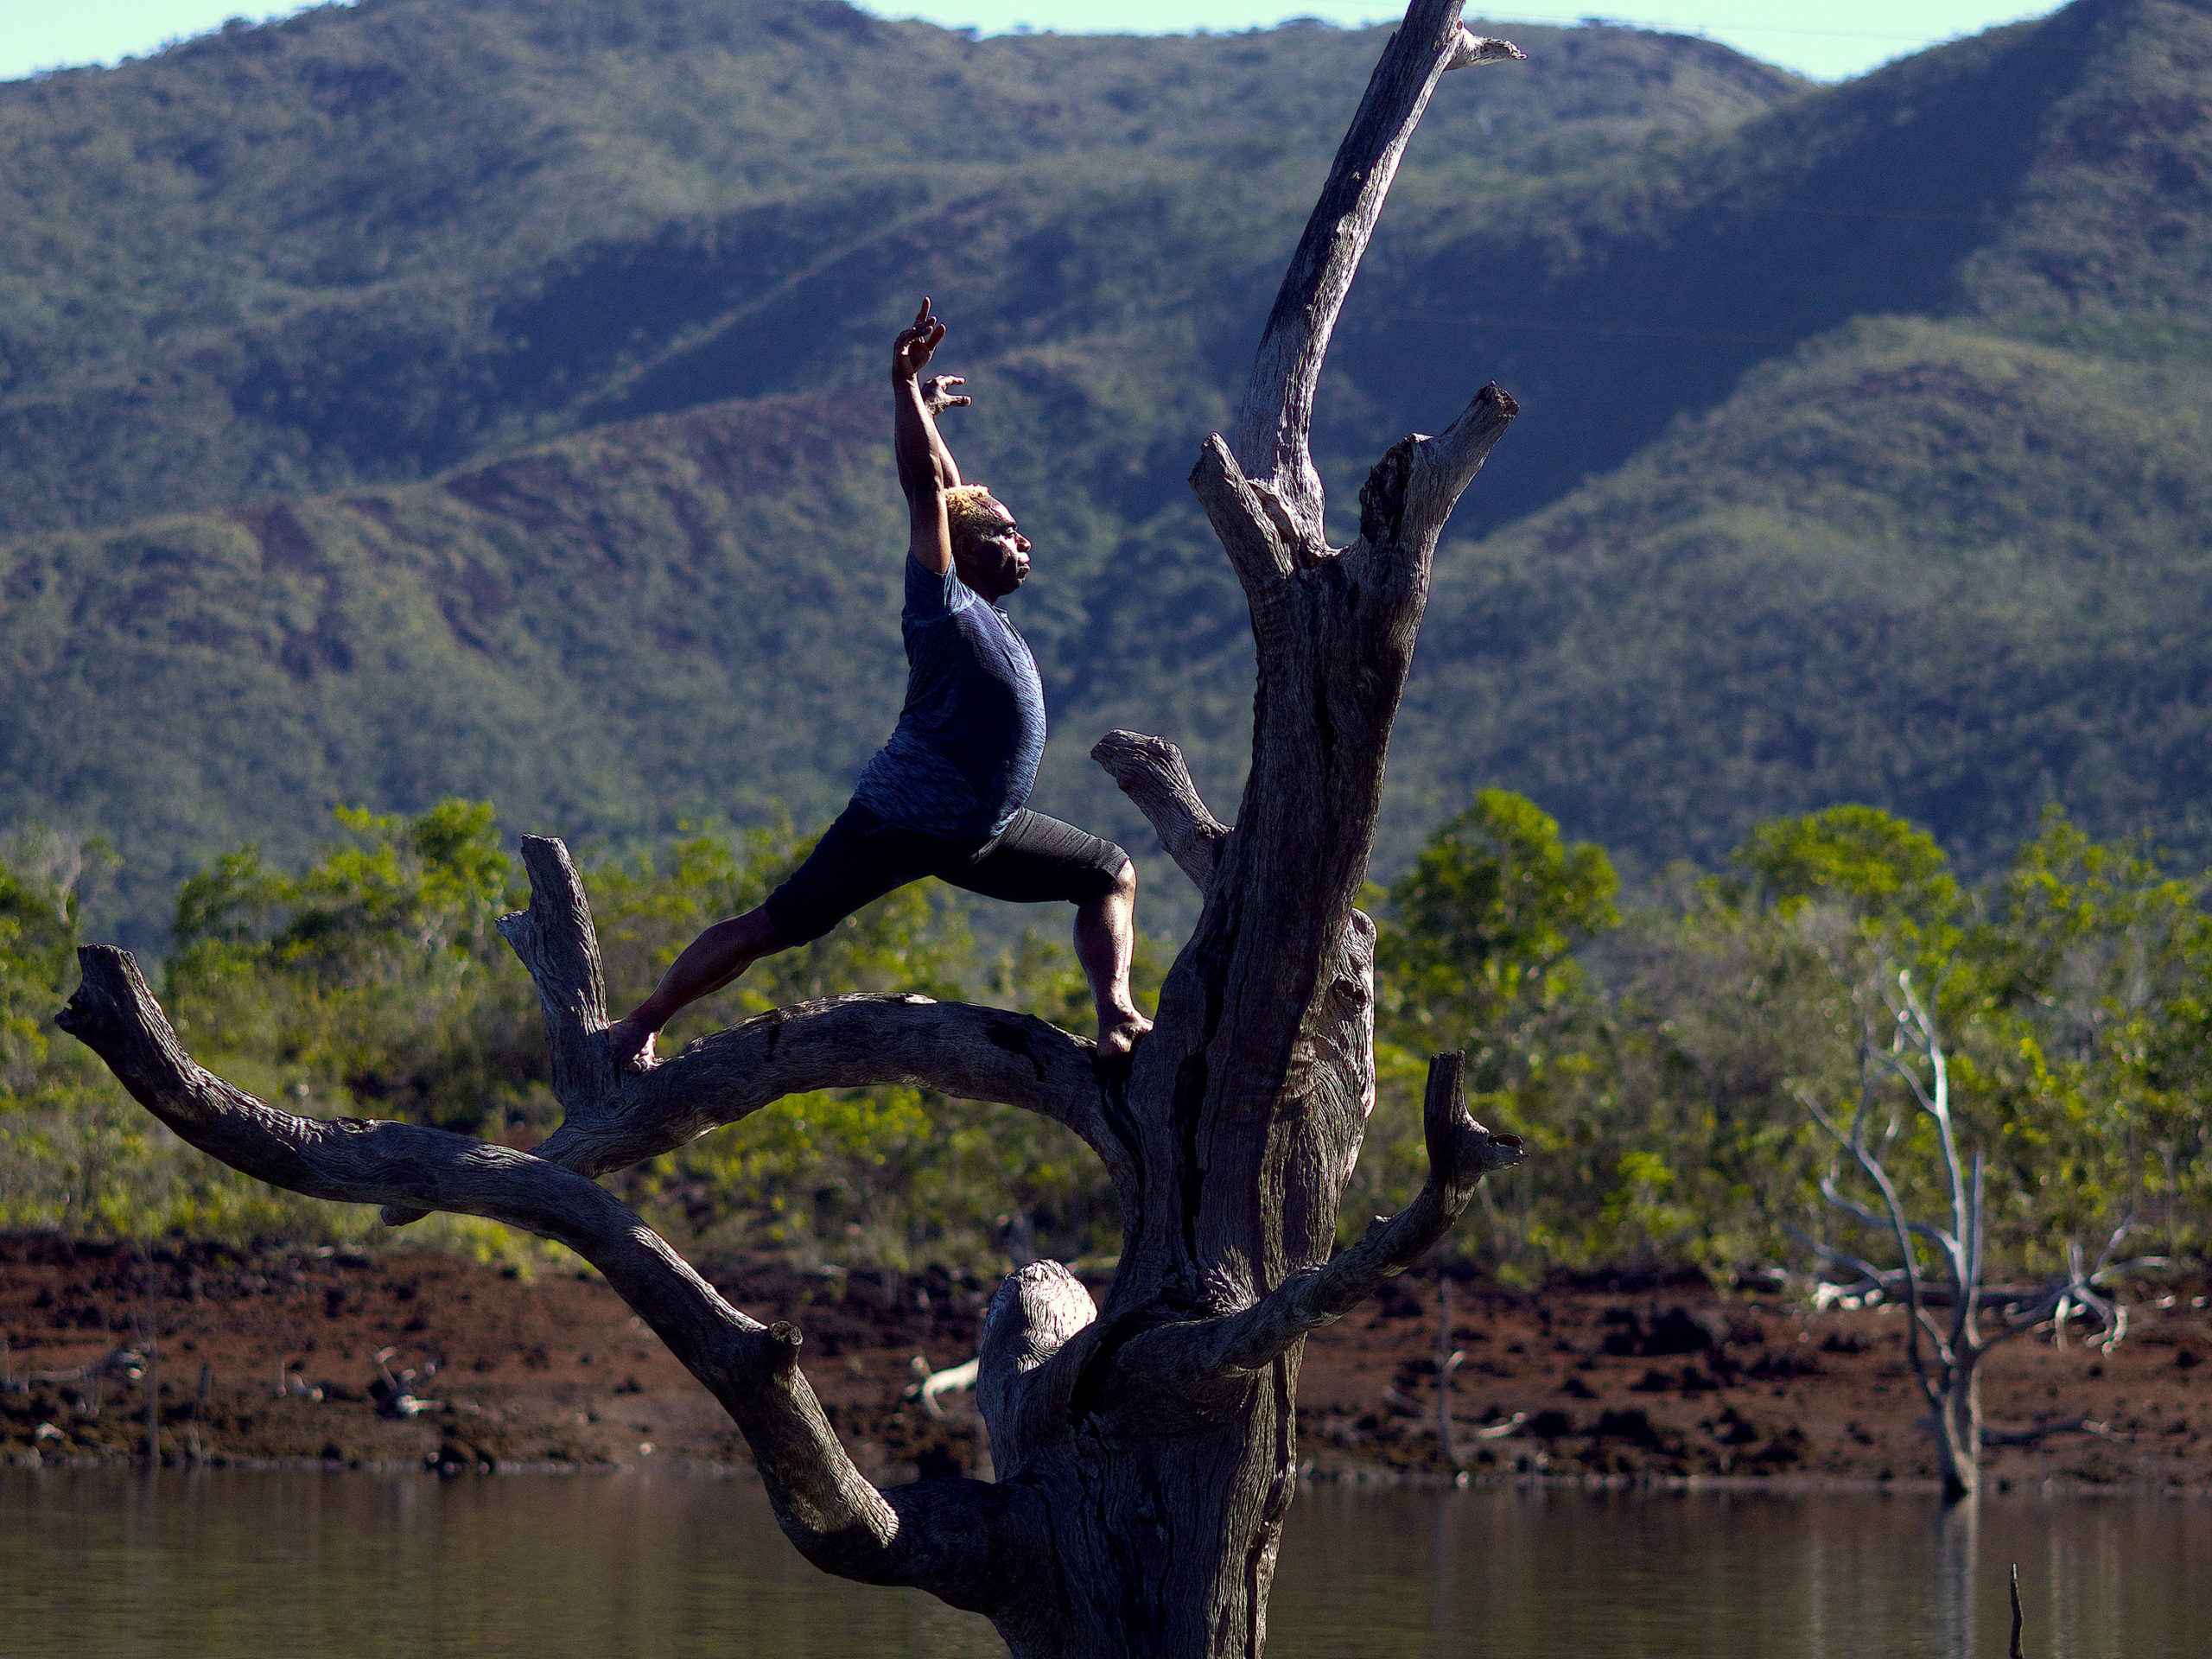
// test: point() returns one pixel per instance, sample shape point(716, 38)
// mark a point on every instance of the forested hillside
point(1943, 541)
point(370, 243)
point(417, 398)
point(374, 241)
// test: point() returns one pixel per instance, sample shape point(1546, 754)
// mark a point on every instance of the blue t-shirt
point(964, 756)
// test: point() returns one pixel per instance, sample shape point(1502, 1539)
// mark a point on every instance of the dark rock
point(1632, 1424)
point(1678, 1331)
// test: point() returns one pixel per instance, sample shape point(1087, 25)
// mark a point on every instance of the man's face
point(995, 561)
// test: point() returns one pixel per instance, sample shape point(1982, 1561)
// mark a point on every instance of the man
point(944, 797)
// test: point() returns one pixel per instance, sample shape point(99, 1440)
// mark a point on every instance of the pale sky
point(1829, 39)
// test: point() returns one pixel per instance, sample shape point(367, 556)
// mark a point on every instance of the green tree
point(75, 1155)
point(1477, 952)
point(1482, 931)
point(38, 931)
point(372, 982)
point(1883, 872)
point(2094, 1071)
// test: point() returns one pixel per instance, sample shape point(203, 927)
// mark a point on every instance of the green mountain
point(261, 279)
point(374, 242)
point(421, 398)
point(1946, 547)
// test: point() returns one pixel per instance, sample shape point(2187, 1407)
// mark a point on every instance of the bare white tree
point(1898, 1043)
point(1144, 1449)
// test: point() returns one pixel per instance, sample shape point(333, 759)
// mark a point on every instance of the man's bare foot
point(1120, 1032)
point(629, 1045)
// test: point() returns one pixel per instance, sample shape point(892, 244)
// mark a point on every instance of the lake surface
point(234, 1565)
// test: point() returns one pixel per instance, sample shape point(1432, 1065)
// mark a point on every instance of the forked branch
point(1276, 416)
point(1460, 1152)
point(943, 1535)
point(1412, 490)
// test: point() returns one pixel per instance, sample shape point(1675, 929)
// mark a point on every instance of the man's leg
point(858, 859)
point(1038, 860)
point(1105, 939)
point(710, 962)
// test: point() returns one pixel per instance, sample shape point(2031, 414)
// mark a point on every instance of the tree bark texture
point(1144, 1449)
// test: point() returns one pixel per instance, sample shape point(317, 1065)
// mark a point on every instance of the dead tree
point(1144, 1449)
point(1900, 1042)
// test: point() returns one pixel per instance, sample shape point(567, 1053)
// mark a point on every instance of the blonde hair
point(968, 510)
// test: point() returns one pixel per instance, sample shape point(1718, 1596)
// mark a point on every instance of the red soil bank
point(1619, 1381)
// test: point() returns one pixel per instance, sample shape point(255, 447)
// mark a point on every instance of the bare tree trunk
point(1900, 1042)
point(1959, 1435)
point(1145, 1450)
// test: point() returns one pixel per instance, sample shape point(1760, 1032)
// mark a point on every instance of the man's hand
point(926, 466)
point(911, 355)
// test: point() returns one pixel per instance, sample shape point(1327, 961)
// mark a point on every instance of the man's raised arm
point(926, 470)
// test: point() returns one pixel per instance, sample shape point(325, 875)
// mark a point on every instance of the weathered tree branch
point(1276, 416)
point(1412, 490)
point(1460, 1152)
point(557, 944)
point(615, 1119)
point(1151, 772)
point(2023, 1306)
point(1035, 1312)
point(1935, 1384)
point(1470, 49)
point(1265, 547)
point(942, 1537)
point(1850, 1206)
point(845, 1042)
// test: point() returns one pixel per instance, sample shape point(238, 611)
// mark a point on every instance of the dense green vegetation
point(1658, 1052)
point(1665, 1074)
point(373, 983)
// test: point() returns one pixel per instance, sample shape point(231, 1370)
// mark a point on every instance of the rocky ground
point(414, 1359)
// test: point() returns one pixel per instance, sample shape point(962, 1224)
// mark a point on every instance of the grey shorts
point(1033, 861)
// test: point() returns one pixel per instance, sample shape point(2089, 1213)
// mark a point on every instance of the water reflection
point(228, 1564)
point(1955, 1554)
point(1516, 1575)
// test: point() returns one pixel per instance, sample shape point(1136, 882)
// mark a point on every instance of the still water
point(219, 1565)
